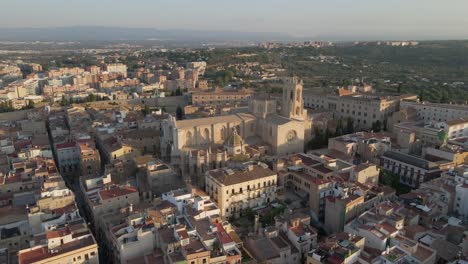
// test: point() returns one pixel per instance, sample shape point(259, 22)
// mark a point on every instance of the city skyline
point(335, 20)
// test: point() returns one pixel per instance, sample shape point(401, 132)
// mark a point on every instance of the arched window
point(188, 138)
point(223, 133)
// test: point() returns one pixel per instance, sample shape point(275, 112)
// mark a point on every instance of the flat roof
point(40, 253)
point(409, 159)
point(229, 176)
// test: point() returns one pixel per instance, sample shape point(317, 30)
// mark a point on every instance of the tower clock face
point(291, 136)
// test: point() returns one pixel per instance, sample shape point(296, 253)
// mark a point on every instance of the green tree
point(390, 179)
point(179, 113)
point(64, 101)
point(6, 107)
point(350, 126)
point(325, 137)
point(146, 110)
point(377, 126)
point(444, 98)
point(30, 104)
point(421, 95)
point(91, 98)
point(339, 128)
point(345, 82)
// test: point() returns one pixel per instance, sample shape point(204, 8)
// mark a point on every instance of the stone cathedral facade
point(198, 145)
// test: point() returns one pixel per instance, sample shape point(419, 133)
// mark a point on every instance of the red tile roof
point(66, 145)
point(58, 233)
point(40, 253)
point(223, 236)
point(115, 192)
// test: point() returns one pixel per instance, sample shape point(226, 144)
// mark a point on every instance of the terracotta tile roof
point(58, 233)
point(308, 161)
point(312, 179)
point(66, 209)
point(387, 227)
point(423, 253)
point(298, 230)
point(41, 253)
point(66, 145)
point(342, 91)
point(222, 235)
point(21, 144)
point(115, 192)
point(183, 234)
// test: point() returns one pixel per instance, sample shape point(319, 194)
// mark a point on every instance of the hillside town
point(162, 163)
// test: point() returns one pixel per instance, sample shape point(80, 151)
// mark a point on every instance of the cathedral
point(198, 145)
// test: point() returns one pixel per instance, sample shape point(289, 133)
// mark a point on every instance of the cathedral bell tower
point(292, 103)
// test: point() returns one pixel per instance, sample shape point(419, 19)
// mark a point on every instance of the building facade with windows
point(235, 189)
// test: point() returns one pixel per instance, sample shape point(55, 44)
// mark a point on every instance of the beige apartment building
point(113, 148)
point(456, 128)
point(368, 146)
point(161, 177)
point(222, 97)
point(119, 68)
point(316, 188)
point(366, 173)
point(340, 210)
point(364, 109)
point(110, 199)
point(90, 160)
point(202, 84)
point(234, 189)
point(70, 244)
point(410, 135)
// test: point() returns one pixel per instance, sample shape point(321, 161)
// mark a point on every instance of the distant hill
point(92, 33)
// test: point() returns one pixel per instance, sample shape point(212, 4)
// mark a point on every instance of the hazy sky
point(420, 18)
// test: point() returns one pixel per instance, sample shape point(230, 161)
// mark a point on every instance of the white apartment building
point(132, 238)
point(117, 68)
point(193, 203)
point(461, 200)
point(434, 112)
point(69, 244)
